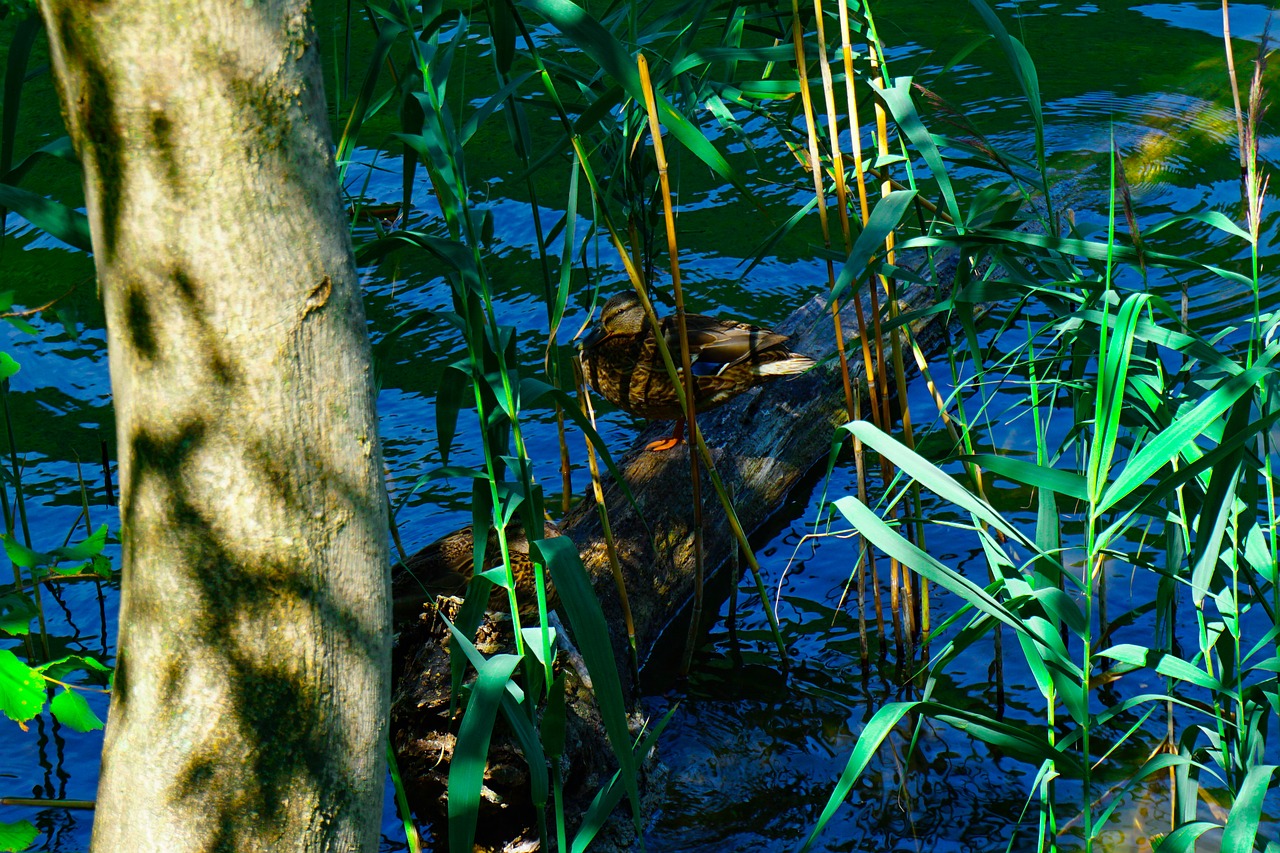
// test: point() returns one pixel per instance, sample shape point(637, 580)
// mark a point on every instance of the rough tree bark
point(251, 686)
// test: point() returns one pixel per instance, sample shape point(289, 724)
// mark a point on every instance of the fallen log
point(762, 443)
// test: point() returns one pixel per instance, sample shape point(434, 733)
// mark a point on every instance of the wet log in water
point(763, 443)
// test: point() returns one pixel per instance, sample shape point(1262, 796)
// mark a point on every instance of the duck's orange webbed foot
point(677, 436)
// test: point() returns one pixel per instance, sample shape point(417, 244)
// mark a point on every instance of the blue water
point(752, 755)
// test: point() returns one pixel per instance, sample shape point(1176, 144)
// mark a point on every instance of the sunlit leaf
point(21, 689)
point(73, 710)
point(16, 837)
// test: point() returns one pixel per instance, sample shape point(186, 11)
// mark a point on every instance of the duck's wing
point(717, 344)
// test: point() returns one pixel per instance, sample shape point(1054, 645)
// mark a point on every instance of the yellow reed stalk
point(637, 282)
point(686, 364)
point(815, 166)
point(584, 400)
point(895, 341)
point(842, 195)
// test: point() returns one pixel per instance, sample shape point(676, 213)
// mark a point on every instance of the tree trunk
point(251, 685)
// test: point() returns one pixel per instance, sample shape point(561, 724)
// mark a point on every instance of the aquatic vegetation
point(1142, 441)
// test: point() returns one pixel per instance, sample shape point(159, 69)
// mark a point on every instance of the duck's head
point(623, 315)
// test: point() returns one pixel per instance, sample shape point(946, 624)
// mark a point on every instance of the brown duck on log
point(621, 361)
point(445, 568)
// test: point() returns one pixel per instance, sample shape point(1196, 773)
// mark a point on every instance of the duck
point(620, 360)
point(445, 567)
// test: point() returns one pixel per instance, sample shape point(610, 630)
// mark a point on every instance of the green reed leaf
point(1066, 483)
point(892, 543)
point(885, 217)
point(53, 217)
point(1241, 831)
point(1170, 441)
point(931, 476)
point(1183, 839)
point(1113, 376)
point(591, 634)
point(1163, 663)
point(471, 753)
point(530, 744)
point(897, 98)
point(873, 734)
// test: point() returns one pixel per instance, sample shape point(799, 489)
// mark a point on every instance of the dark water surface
point(752, 755)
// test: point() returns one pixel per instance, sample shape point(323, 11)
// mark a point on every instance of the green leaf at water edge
point(931, 476)
point(64, 666)
point(8, 367)
point(21, 689)
point(873, 528)
point(1066, 483)
point(16, 837)
point(16, 612)
point(73, 710)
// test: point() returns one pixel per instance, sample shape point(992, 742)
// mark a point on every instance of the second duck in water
point(621, 361)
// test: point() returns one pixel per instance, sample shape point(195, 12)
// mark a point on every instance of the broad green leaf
point(23, 556)
point(1066, 483)
point(16, 837)
point(931, 476)
point(1184, 838)
point(21, 689)
point(1169, 442)
point(892, 543)
point(8, 367)
point(1113, 376)
point(898, 99)
point(64, 666)
point(86, 549)
point(1212, 218)
point(518, 719)
point(73, 710)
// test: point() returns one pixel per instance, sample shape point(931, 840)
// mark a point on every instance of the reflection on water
point(752, 755)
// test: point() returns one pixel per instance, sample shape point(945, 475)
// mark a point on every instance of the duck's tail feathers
point(785, 367)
